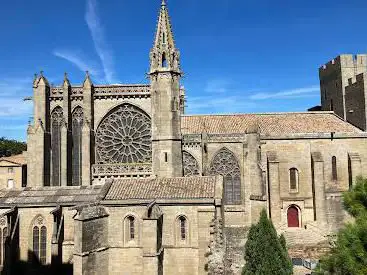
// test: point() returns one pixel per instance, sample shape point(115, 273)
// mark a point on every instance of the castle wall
point(334, 78)
point(182, 257)
point(355, 101)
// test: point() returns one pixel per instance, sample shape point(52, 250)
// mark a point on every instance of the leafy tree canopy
point(11, 147)
point(265, 252)
point(349, 255)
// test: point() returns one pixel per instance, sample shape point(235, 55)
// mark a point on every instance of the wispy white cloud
point(217, 85)
point(15, 107)
point(290, 94)
point(12, 91)
point(76, 59)
point(102, 48)
point(10, 87)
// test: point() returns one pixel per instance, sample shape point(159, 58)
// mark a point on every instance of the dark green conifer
point(265, 252)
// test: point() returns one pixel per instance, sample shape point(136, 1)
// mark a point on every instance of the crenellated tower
point(165, 74)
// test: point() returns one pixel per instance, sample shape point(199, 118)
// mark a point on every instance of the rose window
point(124, 136)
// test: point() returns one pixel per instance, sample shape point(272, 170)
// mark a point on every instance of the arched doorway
point(293, 216)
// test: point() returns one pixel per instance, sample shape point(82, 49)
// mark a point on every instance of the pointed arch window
point(77, 124)
point(190, 165)
point(293, 179)
point(182, 232)
point(130, 230)
point(226, 164)
point(164, 61)
point(39, 238)
point(57, 118)
point(334, 168)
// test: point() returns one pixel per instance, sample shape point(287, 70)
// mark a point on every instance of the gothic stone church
point(121, 181)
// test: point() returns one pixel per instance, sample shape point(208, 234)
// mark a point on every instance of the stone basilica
point(121, 181)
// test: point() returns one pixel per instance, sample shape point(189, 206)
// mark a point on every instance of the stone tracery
point(124, 136)
point(226, 164)
point(190, 165)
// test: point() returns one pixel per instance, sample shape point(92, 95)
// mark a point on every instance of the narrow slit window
point(334, 168)
point(166, 157)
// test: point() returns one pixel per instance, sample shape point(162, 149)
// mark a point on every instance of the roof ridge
point(269, 113)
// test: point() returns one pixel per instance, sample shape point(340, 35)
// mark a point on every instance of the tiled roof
point(17, 159)
point(173, 188)
point(272, 124)
point(52, 195)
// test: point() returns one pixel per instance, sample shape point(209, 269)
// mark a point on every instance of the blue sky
point(239, 56)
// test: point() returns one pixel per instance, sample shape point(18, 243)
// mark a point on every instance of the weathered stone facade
point(120, 181)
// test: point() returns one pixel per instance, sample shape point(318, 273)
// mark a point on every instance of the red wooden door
point(293, 218)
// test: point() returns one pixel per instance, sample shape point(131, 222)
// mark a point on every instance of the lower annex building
point(120, 181)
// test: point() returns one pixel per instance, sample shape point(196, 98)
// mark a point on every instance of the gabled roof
point(168, 188)
point(271, 124)
point(16, 159)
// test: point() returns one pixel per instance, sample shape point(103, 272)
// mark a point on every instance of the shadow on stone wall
point(34, 267)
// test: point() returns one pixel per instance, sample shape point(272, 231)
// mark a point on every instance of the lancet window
point(77, 124)
point(39, 241)
point(190, 165)
point(57, 118)
point(124, 136)
point(226, 164)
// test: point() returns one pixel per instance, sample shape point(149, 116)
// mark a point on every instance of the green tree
point(11, 147)
point(349, 254)
point(265, 252)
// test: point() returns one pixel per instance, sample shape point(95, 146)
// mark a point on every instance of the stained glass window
point(124, 136)
point(77, 124)
point(43, 245)
point(36, 241)
point(40, 241)
point(57, 119)
point(225, 163)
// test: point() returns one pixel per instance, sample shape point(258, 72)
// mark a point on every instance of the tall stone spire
point(164, 55)
point(165, 74)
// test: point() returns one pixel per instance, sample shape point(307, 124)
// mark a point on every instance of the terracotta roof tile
point(272, 124)
point(173, 188)
point(18, 159)
point(50, 195)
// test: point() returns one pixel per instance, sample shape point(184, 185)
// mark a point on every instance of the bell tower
point(165, 75)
